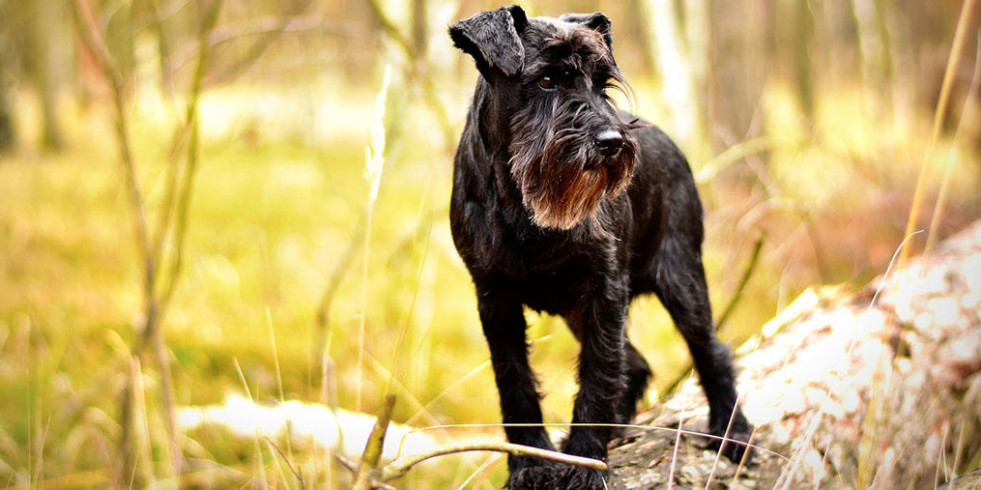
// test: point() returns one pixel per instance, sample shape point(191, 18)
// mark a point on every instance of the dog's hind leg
point(638, 376)
point(680, 285)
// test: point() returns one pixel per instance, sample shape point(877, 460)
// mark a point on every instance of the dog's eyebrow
point(559, 25)
point(555, 59)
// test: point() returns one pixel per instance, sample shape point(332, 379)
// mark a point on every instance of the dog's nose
point(609, 143)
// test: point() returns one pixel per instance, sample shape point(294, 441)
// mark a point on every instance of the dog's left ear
point(493, 39)
point(596, 21)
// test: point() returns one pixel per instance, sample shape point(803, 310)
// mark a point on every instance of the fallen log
point(875, 388)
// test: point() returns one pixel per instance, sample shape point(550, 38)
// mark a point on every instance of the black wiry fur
point(565, 205)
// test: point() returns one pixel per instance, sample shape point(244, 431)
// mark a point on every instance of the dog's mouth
point(565, 185)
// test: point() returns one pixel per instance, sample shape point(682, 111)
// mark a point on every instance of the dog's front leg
point(504, 327)
point(599, 325)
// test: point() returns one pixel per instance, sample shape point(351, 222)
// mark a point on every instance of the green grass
point(277, 201)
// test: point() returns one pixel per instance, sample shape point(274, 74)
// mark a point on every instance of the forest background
point(185, 215)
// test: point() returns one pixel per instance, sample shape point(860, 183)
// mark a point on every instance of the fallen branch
point(369, 473)
point(400, 467)
point(875, 388)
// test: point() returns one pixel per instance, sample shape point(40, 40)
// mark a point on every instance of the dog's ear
point(596, 21)
point(493, 39)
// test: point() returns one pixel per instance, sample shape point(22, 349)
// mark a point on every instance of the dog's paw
point(579, 477)
point(553, 476)
point(531, 477)
point(736, 446)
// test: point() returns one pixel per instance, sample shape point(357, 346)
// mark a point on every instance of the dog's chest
point(546, 274)
point(557, 291)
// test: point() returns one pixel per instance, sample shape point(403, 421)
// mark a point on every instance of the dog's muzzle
point(609, 143)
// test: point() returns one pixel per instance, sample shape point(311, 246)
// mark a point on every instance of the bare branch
point(391, 30)
point(256, 50)
point(264, 27)
point(322, 317)
point(371, 457)
point(417, 70)
point(400, 467)
point(185, 191)
point(754, 259)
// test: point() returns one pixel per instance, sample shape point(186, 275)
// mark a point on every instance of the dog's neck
point(494, 129)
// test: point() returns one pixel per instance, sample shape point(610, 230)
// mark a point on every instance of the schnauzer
point(565, 205)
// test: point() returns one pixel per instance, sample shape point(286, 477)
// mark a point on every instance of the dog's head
point(547, 80)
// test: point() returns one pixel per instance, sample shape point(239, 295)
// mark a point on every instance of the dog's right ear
point(493, 39)
point(596, 21)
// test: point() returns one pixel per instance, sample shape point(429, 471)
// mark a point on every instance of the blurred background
point(185, 216)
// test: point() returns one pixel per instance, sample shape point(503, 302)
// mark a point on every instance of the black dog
point(564, 205)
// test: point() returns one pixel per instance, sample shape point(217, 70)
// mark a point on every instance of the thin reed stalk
point(938, 210)
point(940, 114)
point(374, 163)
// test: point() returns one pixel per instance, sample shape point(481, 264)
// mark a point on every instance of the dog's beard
point(565, 183)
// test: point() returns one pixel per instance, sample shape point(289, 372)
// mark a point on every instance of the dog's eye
point(546, 82)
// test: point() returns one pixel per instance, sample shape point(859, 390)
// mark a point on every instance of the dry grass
point(279, 194)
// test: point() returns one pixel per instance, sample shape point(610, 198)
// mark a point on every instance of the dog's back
point(664, 203)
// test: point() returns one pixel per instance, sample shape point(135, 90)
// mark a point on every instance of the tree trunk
point(738, 69)
point(46, 27)
point(674, 71)
point(7, 130)
point(6, 121)
point(420, 29)
point(874, 44)
point(803, 58)
point(877, 387)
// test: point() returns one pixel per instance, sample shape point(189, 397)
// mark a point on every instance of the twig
point(164, 48)
point(270, 26)
point(95, 42)
point(725, 436)
point(370, 474)
point(371, 458)
point(677, 444)
point(730, 156)
point(417, 70)
point(399, 468)
point(276, 25)
point(255, 51)
point(754, 258)
point(746, 455)
point(322, 317)
point(391, 30)
point(289, 462)
point(177, 202)
point(185, 192)
point(347, 463)
point(142, 417)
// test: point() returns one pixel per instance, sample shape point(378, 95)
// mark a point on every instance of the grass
point(279, 197)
